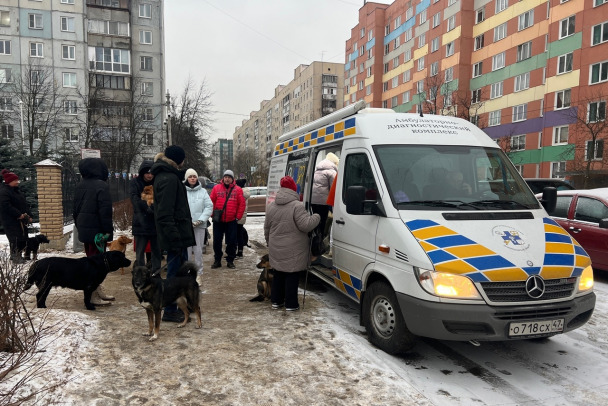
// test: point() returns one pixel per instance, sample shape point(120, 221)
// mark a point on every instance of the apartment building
point(222, 155)
point(314, 92)
point(533, 74)
point(83, 74)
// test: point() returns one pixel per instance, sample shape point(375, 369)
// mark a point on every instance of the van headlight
point(447, 285)
point(585, 282)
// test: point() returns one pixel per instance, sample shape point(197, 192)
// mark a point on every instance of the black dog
point(32, 245)
point(154, 293)
point(75, 273)
point(265, 280)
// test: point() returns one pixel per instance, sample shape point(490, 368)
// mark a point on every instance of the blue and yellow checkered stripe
point(331, 132)
point(453, 253)
point(347, 283)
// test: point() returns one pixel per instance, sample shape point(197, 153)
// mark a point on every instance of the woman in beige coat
point(286, 230)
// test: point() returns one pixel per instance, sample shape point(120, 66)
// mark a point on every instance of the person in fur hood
point(172, 215)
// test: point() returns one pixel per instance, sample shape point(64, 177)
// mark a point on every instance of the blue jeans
point(219, 230)
point(175, 259)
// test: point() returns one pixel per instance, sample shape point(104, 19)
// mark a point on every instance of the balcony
point(329, 97)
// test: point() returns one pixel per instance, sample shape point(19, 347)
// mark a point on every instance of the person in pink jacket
point(232, 213)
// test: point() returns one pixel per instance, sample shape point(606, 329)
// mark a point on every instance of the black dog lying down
point(75, 273)
point(154, 293)
point(32, 245)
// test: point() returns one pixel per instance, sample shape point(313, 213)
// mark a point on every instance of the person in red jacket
point(233, 212)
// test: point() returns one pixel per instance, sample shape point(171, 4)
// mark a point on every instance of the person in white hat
point(201, 207)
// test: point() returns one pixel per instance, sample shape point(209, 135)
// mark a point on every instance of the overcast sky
point(243, 49)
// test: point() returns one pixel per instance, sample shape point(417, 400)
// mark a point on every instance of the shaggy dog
point(154, 293)
point(84, 274)
point(120, 244)
point(148, 194)
point(32, 245)
point(264, 281)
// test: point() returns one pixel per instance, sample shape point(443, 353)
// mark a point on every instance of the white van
point(435, 233)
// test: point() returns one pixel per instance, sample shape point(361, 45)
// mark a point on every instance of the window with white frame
point(421, 40)
point(148, 139)
point(7, 131)
point(36, 49)
point(451, 23)
point(519, 169)
point(436, 20)
point(69, 79)
point(109, 60)
point(67, 1)
point(36, 77)
point(477, 69)
point(6, 75)
point(449, 49)
point(397, 22)
point(420, 86)
point(387, 49)
point(599, 2)
point(422, 16)
point(71, 134)
point(408, 34)
point(145, 37)
point(384, 86)
point(369, 72)
point(494, 118)
point(386, 67)
point(70, 107)
point(407, 55)
point(35, 21)
point(370, 35)
point(368, 90)
point(599, 33)
point(449, 74)
point(147, 88)
point(361, 68)
point(496, 90)
point(498, 61)
point(145, 63)
point(362, 32)
point(564, 63)
point(407, 76)
point(36, 133)
point(557, 169)
point(526, 20)
point(6, 104)
point(480, 15)
point(68, 52)
point(476, 96)
point(67, 24)
point(447, 98)
point(406, 97)
point(500, 32)
point(560, 135)
point(420, 63)
point(147, 114)
point(387, 30)
point(521, 82)
point(435, 44)
point(478, 42)
point(434, 68)
point(394, 101)
point(501, 5)
point(520, 112)
point(109, 28)
point(361, 85)
point(518, 142)
point(396, 45)
point(474, 120)
point(594, 150)
point(409, 13)
point(596, 111)
point(370, 53)
point(524, 51)
point(5, 47)
point(566, 27)
point(395, 82)
point(562, 99)
point(145, 10)
point(450, 2)
point(599, 72)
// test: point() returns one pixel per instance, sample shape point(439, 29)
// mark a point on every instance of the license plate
point(536, 328)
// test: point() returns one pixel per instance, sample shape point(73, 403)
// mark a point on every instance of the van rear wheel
point(383, 320)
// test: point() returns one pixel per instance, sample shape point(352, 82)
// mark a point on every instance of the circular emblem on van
point(535, 286)
point(511, 238)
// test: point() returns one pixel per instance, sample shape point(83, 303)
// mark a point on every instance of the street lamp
point(22, 131)
point(169, 138)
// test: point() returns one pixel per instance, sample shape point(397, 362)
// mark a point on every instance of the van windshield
point(454, 177)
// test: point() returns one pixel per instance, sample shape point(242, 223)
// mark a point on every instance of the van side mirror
point(549, 199)
point(603, 223)
point(355, 196)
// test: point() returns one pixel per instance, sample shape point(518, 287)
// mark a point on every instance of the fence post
point(50, 205)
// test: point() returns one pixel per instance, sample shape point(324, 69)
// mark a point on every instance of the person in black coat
point(93, 213)
point(144, 227)
point(172, 215)
point(15, 214)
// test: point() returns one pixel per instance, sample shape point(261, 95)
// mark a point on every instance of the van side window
point(358, 172)
point(590, 210)
point(561, 207)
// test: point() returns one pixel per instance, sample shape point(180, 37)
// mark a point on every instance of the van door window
point(358, 172)
point(590, 210)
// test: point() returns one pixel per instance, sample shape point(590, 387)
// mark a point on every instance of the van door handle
point(340, 222)
point(575, 230)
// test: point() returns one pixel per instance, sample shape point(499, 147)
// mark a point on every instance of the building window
point(148, 139)
point(557, 168)
point(474, 120)
point(408, 34)
point(5, 47)
point(406, 97)
point(434, 68)
point(67, 24)
point(5, 75)
point(500, 32)
point(36, 49)
point(145, 10)
point(420, 86)
point(6, 104)
point(435, 44)
point(498, 61)
point(449, 49)
point(477, 69)
point(385, 86)
point(147, 88)
point(369, 72)
point(566, 27)
point(476, 96)
point(70, 107)
point(109, 59)
point(521, 82)
point(7, 131)
point(449, 74)
point(109, 28)
point(599, 72)
point(421, 40)
point(394, 101)
point(560, 135)
point(501, 5)
point(386, 67)
point(594, 150)
point(480, 15)
point(564, 63)
point(68, 52)
point(524, 51)
point(599, 2)
point(36, 77)
point(368, 90)
point(423, 16)
point(5, 19)
point(494, 118)
point(397, 22)
point(370, 53)
point(71, 135)
point(421, 63)
point(436, 19)
point(478, 42)
point(562, 99)
point(145, 37)
point(520, 112)
point(407, 55)
point(518, 142)
point(370, 35)
point(147, 114)
point(599, 33)
point(496, 90)
point(387, 49)
point(67, 1)
point(395, 82)
point(526, 20)
point(597, 111)
point(69, 79)
point(112, 82)
point(409, 13)
point(407, 76)
point(145, 63)
point(35, 21)
point(451, 23)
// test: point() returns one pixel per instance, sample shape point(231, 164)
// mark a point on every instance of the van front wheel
point(383, 320)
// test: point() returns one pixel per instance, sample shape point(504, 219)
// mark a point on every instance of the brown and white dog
point(265, 280)
point(120, 244)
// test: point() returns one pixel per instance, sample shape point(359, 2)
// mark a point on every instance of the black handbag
point(216, 216)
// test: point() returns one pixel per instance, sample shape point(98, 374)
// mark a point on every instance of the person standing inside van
point(286, 229)
point(325, 173)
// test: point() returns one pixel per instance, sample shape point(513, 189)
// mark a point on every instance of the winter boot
point(97, 300)
point(239, 254)
point(103, 295)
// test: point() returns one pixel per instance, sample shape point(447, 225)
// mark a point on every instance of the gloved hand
point(197, 223)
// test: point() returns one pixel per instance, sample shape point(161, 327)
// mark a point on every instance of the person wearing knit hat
point(229, 204)
point(242, 237)
point(286, 229)
point(172, 216)
point(15, 214)
point(200, 209)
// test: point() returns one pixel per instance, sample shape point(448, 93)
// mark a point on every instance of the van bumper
point(463, 322)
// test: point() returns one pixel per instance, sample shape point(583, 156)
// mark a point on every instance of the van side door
point(354, 236)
